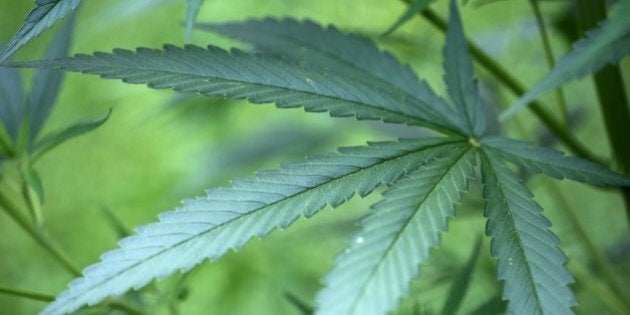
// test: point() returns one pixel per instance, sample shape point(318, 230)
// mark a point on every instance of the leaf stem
point(610, 92)
point(549, 56)
point(27, 294)
point(511, 83)
point(38, 235)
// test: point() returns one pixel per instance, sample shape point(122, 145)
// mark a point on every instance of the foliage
point(301, 64)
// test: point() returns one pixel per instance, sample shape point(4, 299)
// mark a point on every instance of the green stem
point(27, 294)
point(511, 83)
point(551, 62)
point(602, 265)
point(42, 239)
point(610, 92)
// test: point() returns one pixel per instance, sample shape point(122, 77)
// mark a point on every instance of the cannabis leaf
point(529, 260)
point(192, 9)
point(258, 78)
point(11, 101)
point(608, 43)
point(323, 69)
point(226, 218)
point(308, 42)
point(43, 16)
point(375, 271)
point(553, 163)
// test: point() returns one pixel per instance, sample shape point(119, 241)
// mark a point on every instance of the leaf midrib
point(407, 222)
point(512, 224)
point(252, 212)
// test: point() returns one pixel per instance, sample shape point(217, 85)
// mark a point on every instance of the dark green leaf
point(226, 218)
point(260, 79)
point(56, 138)
point(494, 306)
point(375, 271)
point(608, 43)
point(529, 261)
point(42, 17)
point(553, 163)
point(412, 9)
point(459, 75)
point(308, 42)
point(46, 82)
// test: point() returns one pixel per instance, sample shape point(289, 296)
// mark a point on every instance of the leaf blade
point(376, 270)
point(414, 7)
point(459, 75)
point(192, 9)
point(11, 101)
point(259, 79)
point(45, 14)
point(605, 44)
point(226, 218)
point(329, 47)
point(529, 260)
point(553, 163)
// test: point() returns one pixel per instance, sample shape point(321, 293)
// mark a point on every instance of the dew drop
point(360, 240)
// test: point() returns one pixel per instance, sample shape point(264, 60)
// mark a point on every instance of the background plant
point(434, 121)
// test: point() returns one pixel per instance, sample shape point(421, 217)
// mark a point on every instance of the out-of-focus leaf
point(605, 44)
point(33, 192)
point(56, 138)
point(494, 306)
point(192, 10)
point(11, 101)
point(45, 14)
point(414, 7)
point(462, 282)
point(299, 304)
point(46, 82)
point(115, 223)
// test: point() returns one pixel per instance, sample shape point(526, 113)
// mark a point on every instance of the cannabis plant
point(302, 64)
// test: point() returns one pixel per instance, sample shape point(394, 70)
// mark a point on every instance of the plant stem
point(42, 239)
point(551, 62)
point(511, 83)
point(610, 92)
point(27, 294)
point(599, 260)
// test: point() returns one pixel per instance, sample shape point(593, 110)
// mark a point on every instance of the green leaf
point(608, 43)
point(192, 10)
point(46, 82)
point(11, 101)
point(33, 192)
point(553, 163)
point(458, 290)
point(493, 306)
point(377, 268)
point(42, 17)
point(412, 9)
point(528, 258)
point(56, 138)
point(328, 47)
point(226, 218)
point(260, 79)
point(459, 75)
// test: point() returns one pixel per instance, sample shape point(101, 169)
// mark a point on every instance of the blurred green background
point(160, 147)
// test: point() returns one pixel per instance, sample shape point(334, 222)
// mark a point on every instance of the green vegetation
point(453, 156)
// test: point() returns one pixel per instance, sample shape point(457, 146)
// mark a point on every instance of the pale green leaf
point(42, 17)
point(376, 270)
point(226, 218)
point(412, 9)
point(330, 48)
point(54, 139)
point(528, 258)
point(553, 163)
point(459, 75)
point(608, 43)
point(260, 79)
point(46, 82)
point(192, 9)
